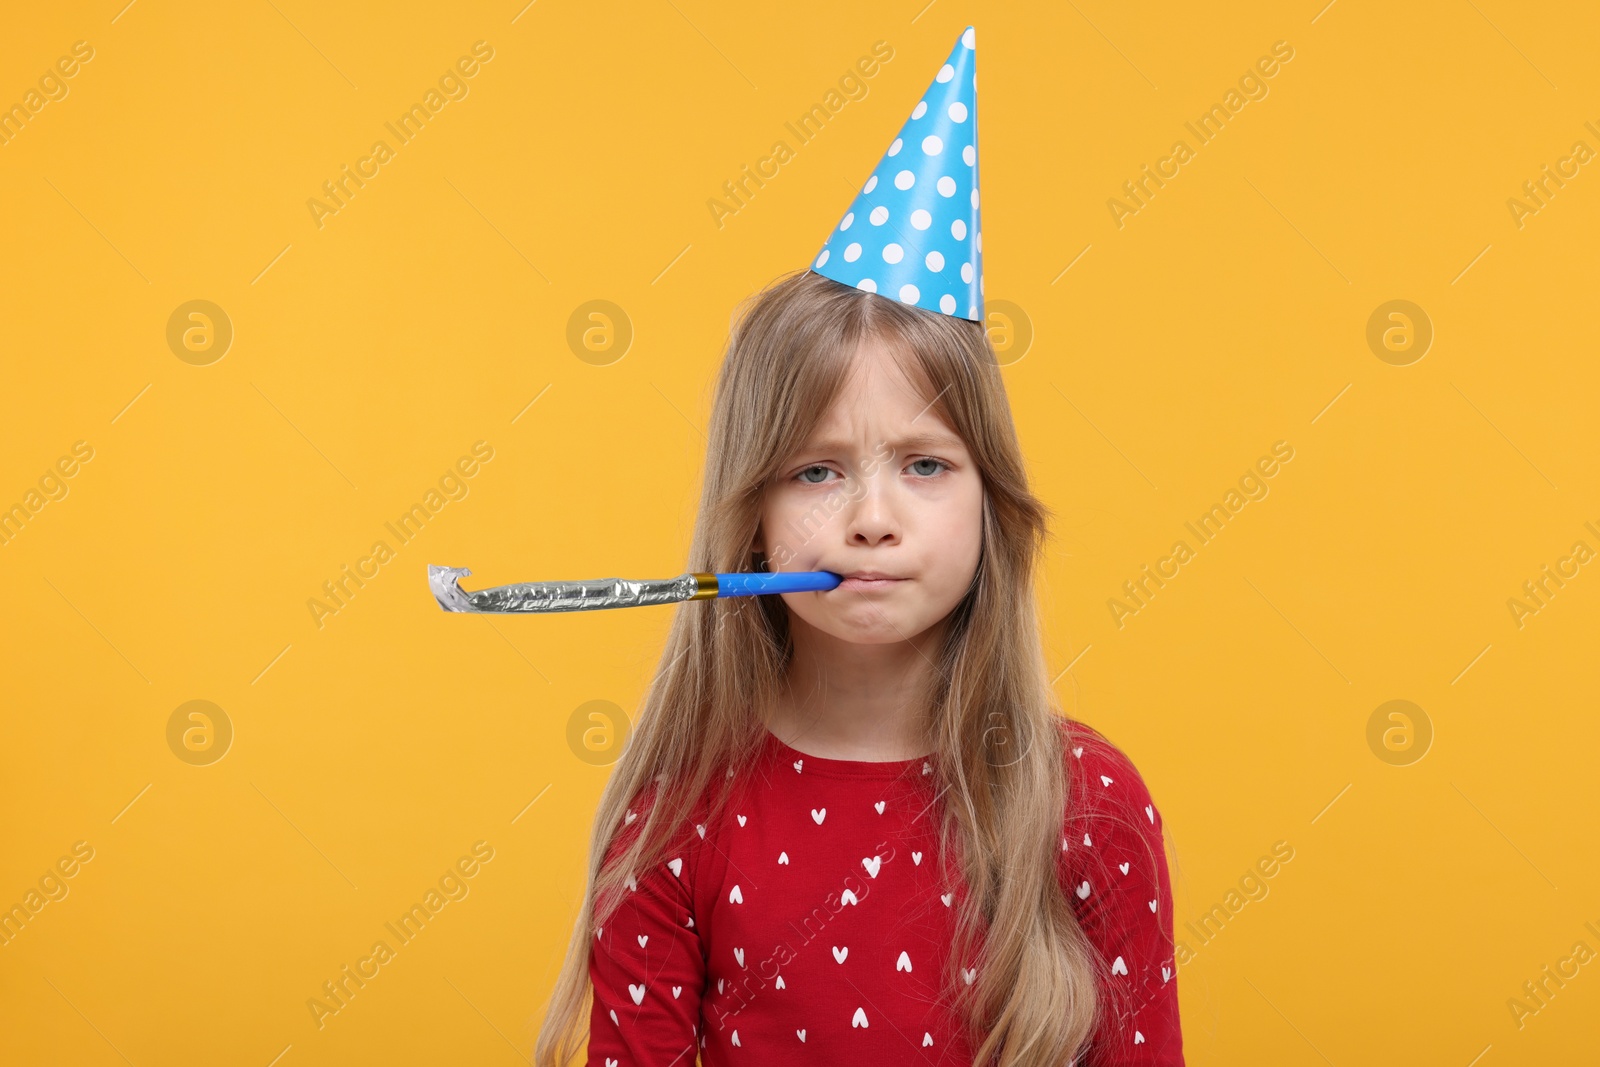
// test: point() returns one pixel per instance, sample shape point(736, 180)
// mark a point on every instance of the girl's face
point(884, 486)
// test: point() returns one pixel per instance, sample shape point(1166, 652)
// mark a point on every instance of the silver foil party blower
point(597, 593)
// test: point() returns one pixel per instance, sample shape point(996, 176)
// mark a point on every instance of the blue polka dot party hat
point(912, 233)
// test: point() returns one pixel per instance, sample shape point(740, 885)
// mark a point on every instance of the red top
point(812, 924)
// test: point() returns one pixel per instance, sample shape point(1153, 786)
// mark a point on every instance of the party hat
point(912, 233)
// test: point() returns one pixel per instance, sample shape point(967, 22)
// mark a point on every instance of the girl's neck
point(850, 701)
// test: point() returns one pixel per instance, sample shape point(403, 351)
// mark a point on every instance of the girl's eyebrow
point(904, 444)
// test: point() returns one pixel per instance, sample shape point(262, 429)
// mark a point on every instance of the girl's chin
point(871, 626)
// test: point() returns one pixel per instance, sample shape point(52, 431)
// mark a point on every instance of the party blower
point(596, 593)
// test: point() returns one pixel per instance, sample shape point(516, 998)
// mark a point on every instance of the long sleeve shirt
point(810, 925)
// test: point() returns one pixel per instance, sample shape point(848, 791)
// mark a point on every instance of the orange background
point(1150, 365)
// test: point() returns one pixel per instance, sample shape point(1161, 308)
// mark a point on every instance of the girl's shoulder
point(1088, 747)
point(1102, 780)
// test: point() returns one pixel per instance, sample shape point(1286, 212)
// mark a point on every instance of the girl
point(850, 825)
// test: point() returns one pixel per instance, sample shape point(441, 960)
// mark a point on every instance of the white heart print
point(873, 866)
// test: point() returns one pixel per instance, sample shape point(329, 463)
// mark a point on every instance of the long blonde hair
point(991, 725)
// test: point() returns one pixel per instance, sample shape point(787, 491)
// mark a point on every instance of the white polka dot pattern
point(925, 246)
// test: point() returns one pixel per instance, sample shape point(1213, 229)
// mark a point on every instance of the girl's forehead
point(909, 423)
point(874, 352)
point(884, 397)
point(884, 369)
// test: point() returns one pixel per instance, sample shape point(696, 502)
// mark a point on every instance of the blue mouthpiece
point(753, 583)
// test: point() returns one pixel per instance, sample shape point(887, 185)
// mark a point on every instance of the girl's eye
point(803, 478)
point(808, 481)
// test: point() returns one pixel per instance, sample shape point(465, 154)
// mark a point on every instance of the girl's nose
point(872, 517)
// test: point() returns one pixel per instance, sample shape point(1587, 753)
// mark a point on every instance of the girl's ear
point(758, 557)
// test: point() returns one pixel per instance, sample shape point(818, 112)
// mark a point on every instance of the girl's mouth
point(863, 585)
